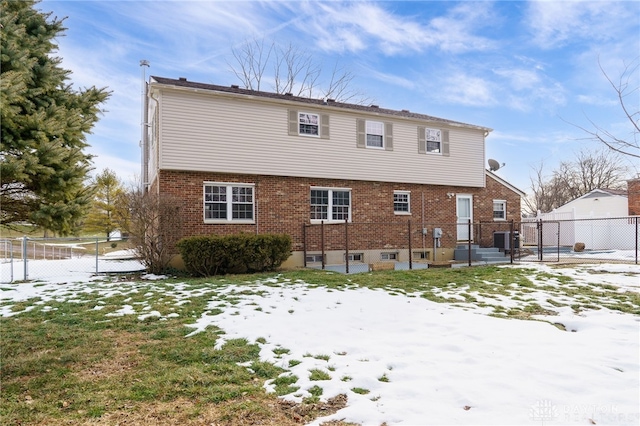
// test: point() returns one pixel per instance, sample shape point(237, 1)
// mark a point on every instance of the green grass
point(73, 362)
point(281, 351)
point(70, 363)
point(316, 392)
point(284, 384)
point(294, 362)
point(317, 374)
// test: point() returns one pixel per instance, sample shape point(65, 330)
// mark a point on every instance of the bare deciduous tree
point(293, 71)
point(602, 169)
point(627, 90)
point(154, 227)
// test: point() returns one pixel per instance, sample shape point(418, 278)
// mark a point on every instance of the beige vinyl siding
point(219, 133)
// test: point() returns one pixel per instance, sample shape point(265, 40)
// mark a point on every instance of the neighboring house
point(250, 161)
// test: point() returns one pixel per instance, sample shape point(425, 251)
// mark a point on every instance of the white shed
point(597, 204)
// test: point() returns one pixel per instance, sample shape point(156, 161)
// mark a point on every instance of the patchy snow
point(439, 359)
point(421, 362)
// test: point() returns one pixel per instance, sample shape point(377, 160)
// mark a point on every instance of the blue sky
point(524, 69)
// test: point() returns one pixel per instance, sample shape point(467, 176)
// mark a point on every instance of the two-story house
point(251, 161)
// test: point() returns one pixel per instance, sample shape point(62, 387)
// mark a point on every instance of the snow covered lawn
point(452, 353)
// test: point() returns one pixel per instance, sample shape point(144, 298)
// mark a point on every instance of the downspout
point(144, 124)
point(423, 225)
point(156, 126)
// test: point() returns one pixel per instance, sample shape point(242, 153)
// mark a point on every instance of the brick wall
point(633, 193)
point(282, 206)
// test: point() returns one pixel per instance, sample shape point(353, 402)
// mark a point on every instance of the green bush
point(240, 253)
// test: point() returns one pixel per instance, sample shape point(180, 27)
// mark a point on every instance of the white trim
point(367, 133)
point(462, 227)
point(504, 210)
point(319, 124)
point(505, 183)
point(330, 205)
point(408, 194)
point(229, 202)
point(437, 139)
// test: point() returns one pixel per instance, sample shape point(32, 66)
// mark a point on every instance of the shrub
point(216, 255)
point(154, 226)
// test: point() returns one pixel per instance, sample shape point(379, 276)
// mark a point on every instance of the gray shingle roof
point(355, 107)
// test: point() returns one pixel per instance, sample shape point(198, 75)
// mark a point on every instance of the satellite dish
point(493, 165)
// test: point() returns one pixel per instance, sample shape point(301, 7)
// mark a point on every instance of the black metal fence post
point(410, 248)
point(637, 239)
point(346, 244)
point(304, 244)
point(25, 273)
point(322, 241)
point(512, 240)
point(540, 240)
point(469, 237)
point(558, 243)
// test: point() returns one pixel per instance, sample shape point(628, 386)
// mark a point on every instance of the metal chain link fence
point(28, 258)
point(612, 239)
point(352, 247)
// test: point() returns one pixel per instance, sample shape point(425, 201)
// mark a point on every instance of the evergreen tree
point(44, 124)
point(106, 214)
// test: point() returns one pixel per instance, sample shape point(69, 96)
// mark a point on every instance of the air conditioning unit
point(502, 240)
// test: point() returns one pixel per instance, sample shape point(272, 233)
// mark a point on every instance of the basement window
point(355, 257)
point(389, 256)
point(314, 258)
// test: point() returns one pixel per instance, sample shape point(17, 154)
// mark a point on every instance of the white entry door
point(464, 211)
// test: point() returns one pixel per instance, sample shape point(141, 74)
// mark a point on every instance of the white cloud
point(454, 32)
point(357, 26)
point(393, 79)
point(468, 90)
point(595, 100)
point(519, 79)
point(128, 171)
point(555, 23)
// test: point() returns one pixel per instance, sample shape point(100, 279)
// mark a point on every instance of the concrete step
point(484, 254)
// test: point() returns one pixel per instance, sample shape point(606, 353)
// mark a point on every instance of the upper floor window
point(228, 202)
point(499, 210)
point(433, 141)
point(308, 124)
point(375, 134)
point(330, 204)
point(401, 202)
